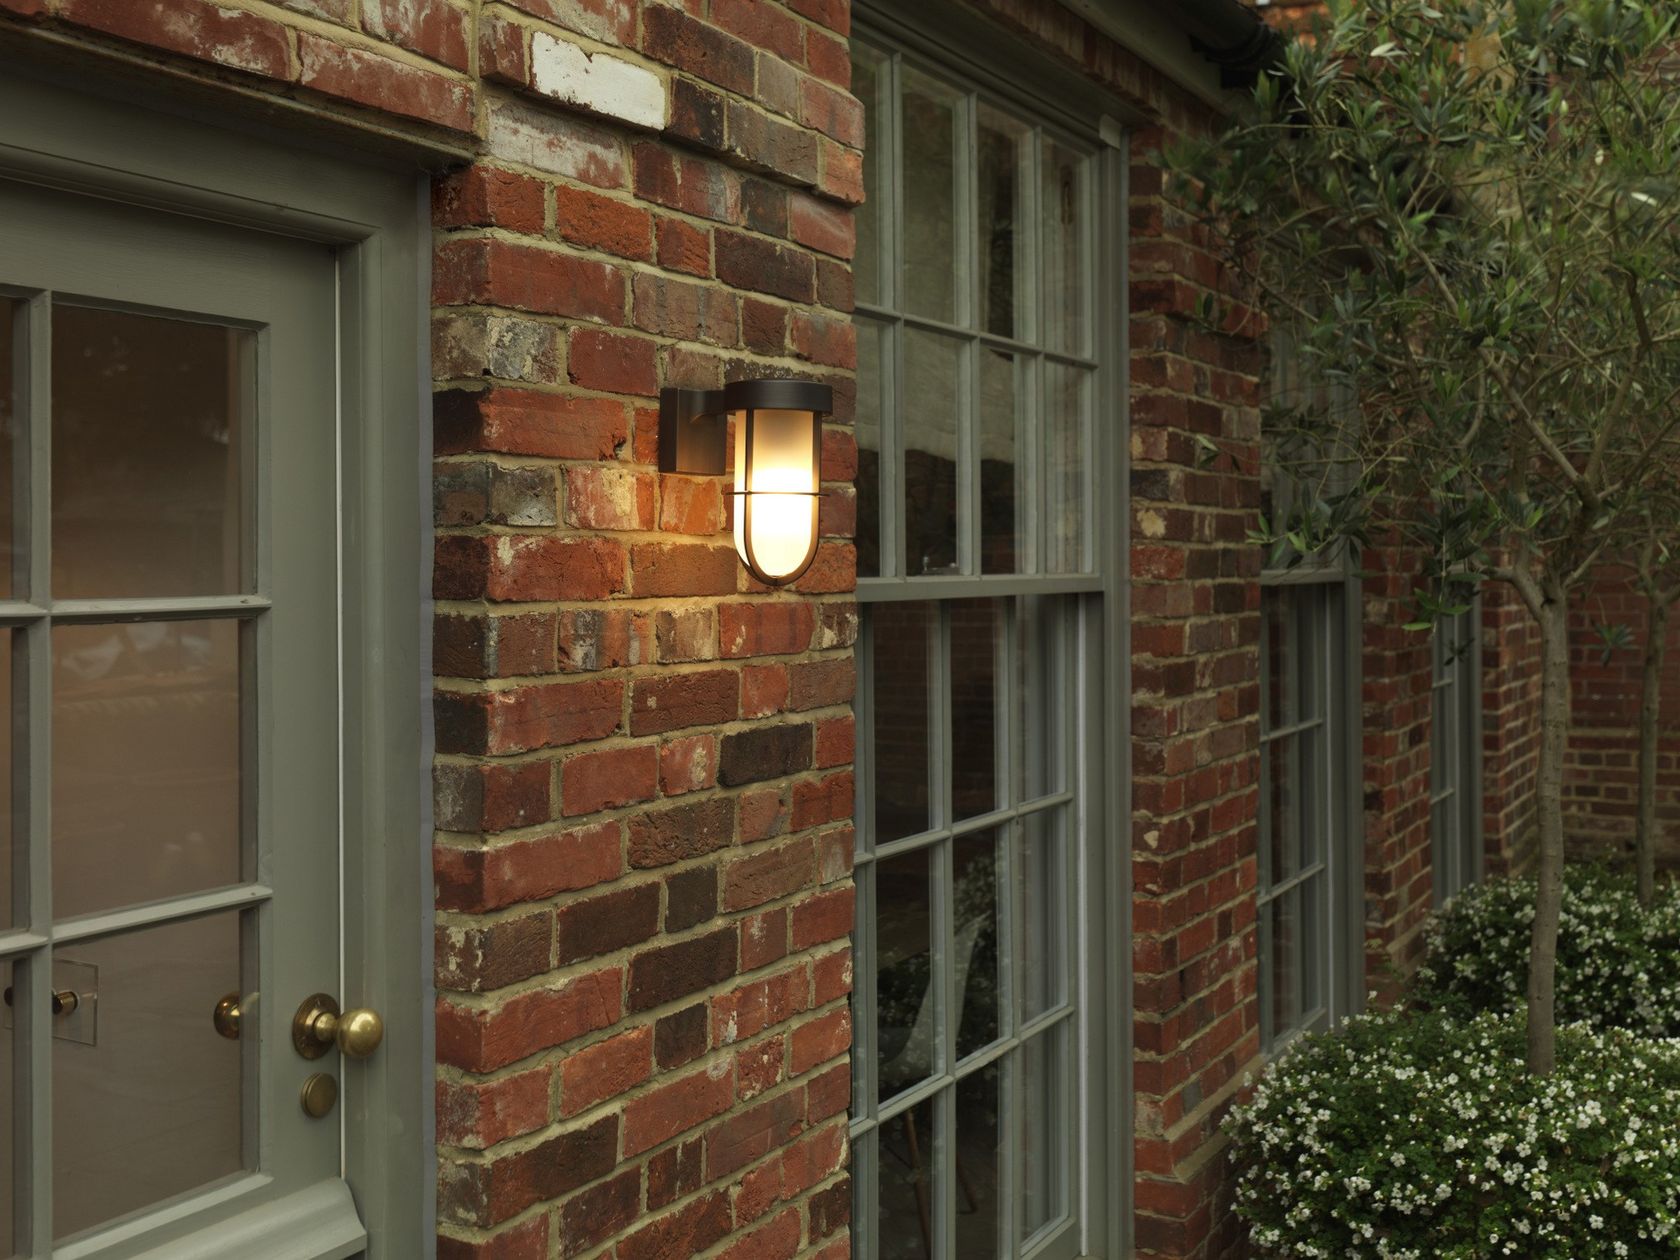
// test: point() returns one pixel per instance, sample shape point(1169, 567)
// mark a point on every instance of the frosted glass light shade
point(777, 466)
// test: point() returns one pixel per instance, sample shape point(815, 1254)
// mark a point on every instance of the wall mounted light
point(778, 463)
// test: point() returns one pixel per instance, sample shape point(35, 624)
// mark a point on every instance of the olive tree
point(1465, 213)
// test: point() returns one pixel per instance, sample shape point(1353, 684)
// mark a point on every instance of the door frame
point(374, 213)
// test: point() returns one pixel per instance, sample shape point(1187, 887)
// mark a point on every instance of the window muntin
point(980, 668)
point(1454, 736)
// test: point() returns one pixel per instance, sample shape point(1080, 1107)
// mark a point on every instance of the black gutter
point(1232, 36)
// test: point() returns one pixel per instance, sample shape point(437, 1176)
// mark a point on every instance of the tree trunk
point(1554, 741)
point(1650, 709)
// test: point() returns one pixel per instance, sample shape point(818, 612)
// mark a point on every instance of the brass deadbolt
point(226, 1016)
point(318, 1095)
point(320, 1025)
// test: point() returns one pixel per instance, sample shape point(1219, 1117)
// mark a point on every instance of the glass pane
point(870, 84)
point(868, 426)
point(908, 1187)
point(1281, 705)
point(978, 630)
point(8, 722)
point(975, 974)
point(979, 1164)
point(1042, 701)
point(1294, 769)
point(1043, 931)
point(1065, 265)
point(1287, 961)
point(932, 395)
point(1003, 543)
point(1005, 154)
point(906, 1019)
point(12, 323)
point(151, 1104)
point(145, 773)
point(1067, 397)
point(931, 137)
point(900, 637)
point(148, 416)
point(1043, 1074)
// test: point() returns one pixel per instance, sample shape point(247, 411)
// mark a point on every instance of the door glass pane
point(979, 1159)
point(900, 637)
point(906, 1019)
point(1005, 154)
point(978, 631)
point(148, 417)
point(8, 723)
point(908, 1194)
point(145, 769)
point(870, 85)
point(9, 1134)
point(932, 395)
point(11, 416)
point(1002, 474)
point(1043, 923)
point(868, 428)
point(975, 974)
point(930, 136)
point(1067, 396)
point(1065, 266)
point(1042, 1130)
point(149, 1102)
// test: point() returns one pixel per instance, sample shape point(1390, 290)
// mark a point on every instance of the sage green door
point(169, 630)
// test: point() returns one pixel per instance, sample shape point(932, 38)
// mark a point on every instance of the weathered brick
point(675, 308)
point(479, 1040)
point(764, 690)
point(477, 1114)
point(764, 326)
point(764, 207)
point(748, 262)
point(765, 628)
point(659, 837)
point(768, 143)
point(683, 41)
point(827, 916)
point(768, 874)
point(669, 702)
point(602, 780)
point(612, 362)
point(691, 898)
point(233, 38)
point(683, 247)
point(544, 568)
point(598, 222)
point(553, 1167)
point(603, 638)
point(474, 344)
point(475, 958)
point(680, 1038)
point(835, 113)
point(690, 505)
point(551, 140)
point(836, 15)
point(606, 922)
point(596, 82)
point(432, 28)
point(696, 113)
point(490, 797)
point(687, 764)
point(693, 185)
point(689, 634)
point(665, 973)
point(394, 87)
point(763, 938)
point(482, 879)
point(683, 569)
point(606, 497)
point(488, 271)
point(592, 1216)
point(766, 752)
point(610, 21)
point(674, 1108)
point(605, 1070)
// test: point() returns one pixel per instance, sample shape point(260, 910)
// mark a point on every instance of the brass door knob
point(226, 1016)
point(320, 1025)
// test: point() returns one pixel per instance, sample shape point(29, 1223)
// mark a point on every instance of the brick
point(747, 262)
point(820, 801)
point(836, 15)
point(696, 113)
point(747, 1011)
point(821, 684)
point(610, 21)
point(676, 1107)
point(600, 496)
point(668, 972)
point(836, 114)
point(813, 1158)
point(831, 1209)
point(683, 247)
point(768, 752)
point(673, 701)
point(841, 174)
point(688, 764)
point(525, 422)
point(527, 569)
point(762, 25)
point(752, 1133)
point(693, 185)
point(393, 87)
point(680, 1037)
point(549, 140)
point(831, 977)
point(603, 638)
point(822, 339)
point(778, 86)
point(690, 505)
point(675, 1173)
point(194, 28)
point(764, 326)
point(599, 82)
point(822, 225)
point(763, 939)
point(829, 58)
point(683, 569)
point(502, 49)
point(836, 743)
point(836, 290)
point(764, 207)
point(764, 690)
point(480, 880)
point(762, 814)
point(779, 1240)
point(602, 780)
point(691, 312)
point(612, 362)
point(605, 1070)
point(476, 344)
point(491, 272)
point(592, 1216)
point(691, 898)
point(828, 1093)
point(659, 837)
point(522, 496)
point(823, 918)
point(460, 493)
point(527, 1240)
point(478, 1040)
point(598, 222)
point(490, 797)
point(476, 958)
point(477, 1114)
point(769, 874)
point(602, 924)
point(432, 28)
point(548, 715)
point(765, 142)
point(686, 635)
point(677, 39)
point(553, 1167)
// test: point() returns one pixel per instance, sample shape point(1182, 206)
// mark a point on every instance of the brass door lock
point(226, 1016)
point(319, 1025)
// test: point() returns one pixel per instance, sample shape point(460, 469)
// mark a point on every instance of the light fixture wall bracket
point(693, 432)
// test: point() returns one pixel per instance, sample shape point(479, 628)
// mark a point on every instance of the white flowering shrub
point(1419, 1137)
point(1618, 963)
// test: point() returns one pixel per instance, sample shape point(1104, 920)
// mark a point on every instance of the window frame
point(971, 53)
